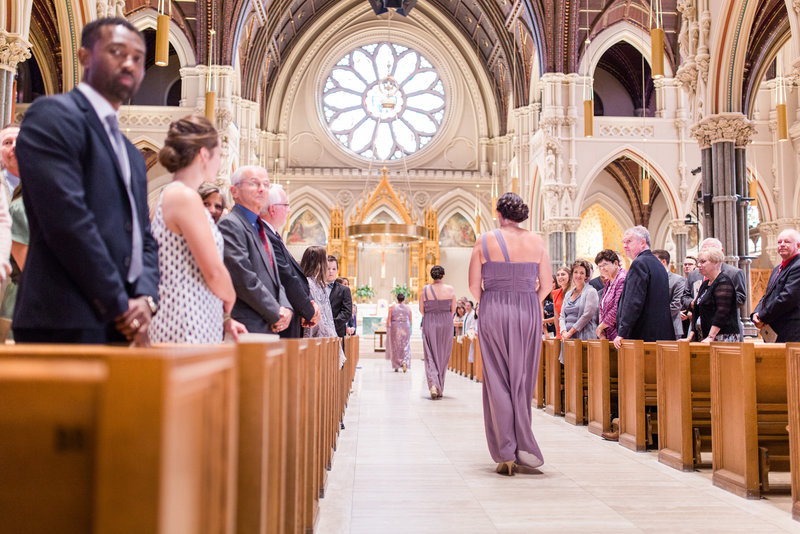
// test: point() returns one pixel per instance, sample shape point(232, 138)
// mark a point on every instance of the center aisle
point(406, 464)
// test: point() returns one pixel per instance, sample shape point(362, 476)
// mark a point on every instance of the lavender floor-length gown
point(398, 337)
point(510, 335)
point(437, 338)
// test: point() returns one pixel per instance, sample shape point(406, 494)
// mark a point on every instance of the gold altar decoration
point(422, 240)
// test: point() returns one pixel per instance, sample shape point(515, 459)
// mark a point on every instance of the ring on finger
point(135, 324)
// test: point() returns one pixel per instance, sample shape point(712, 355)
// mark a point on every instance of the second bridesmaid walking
point(398, 335)
point(437, 305)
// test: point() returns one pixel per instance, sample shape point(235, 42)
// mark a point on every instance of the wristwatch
point(152, 304)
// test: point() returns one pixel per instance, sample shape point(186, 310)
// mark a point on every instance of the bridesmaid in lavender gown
point(437, 305)
point(503, 270)
point(398, 335)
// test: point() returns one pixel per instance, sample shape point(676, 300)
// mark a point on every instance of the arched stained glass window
point(383, 101)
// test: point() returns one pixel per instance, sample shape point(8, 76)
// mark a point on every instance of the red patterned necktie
point(263, 235)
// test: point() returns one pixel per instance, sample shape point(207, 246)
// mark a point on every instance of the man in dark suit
point(91, 274)
point(306, 311)
point(643, 309)
point(261, 303)
point(676, 285)
point(341, 300)
point(780, 306)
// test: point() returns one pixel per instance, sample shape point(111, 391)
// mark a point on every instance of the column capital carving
point(724, 127)
point(13, 50)
point(561, 224)
point(678, 227)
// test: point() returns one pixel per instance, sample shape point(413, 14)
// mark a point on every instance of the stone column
point(555, 242)
point(723, 139)
point(13, 51)
point(570, 239)
point(680, 234)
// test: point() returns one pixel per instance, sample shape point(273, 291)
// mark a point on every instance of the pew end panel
point(602, 384)
point(553, 377)
point(793, 397)
point(145, 438)
point(574, 381)
point(637, 393)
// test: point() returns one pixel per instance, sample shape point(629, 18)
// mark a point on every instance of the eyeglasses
point(280, 204)
point(256, 183)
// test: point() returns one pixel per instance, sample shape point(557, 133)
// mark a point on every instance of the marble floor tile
point(407, 464)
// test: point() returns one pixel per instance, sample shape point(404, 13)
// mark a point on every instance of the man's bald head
point(8, 144)
point(788, 243)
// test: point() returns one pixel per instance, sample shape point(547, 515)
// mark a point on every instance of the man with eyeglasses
point(261, 303)
point(274, 214)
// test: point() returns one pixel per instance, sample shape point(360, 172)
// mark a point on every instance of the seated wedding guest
point(315, 266)
point(549, 318)
point(643, 310)
point(580, 306)
point(564, 284)
point(780, 306)
point(198, 291)
point(212, 200)
point(339, 296)
point(676, 287)
point(398, 335)
point(716, 313)
point(20, 235)
point(608, 264)
point(458, 320)
point(261, 303)
point(350, 328)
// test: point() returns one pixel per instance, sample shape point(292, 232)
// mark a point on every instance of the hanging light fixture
point(645, 186)
point(780, 109)
point(162, 33)
point(656, 41)
point(211, 95)
point(477, 211)
point(588, 87)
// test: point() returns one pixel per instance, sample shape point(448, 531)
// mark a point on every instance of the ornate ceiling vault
point(628, 174)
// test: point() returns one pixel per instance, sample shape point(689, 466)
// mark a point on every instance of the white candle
point(370, 281)
point(394, 281)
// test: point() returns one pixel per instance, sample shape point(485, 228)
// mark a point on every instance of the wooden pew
point(538, 388)
point(793, 398)
point(603, 385)
point(575, 381)
point(478, 360)
point(553, 377)
point(637, 393)
point(749, 415)
point(108, 439)
point(684, 403)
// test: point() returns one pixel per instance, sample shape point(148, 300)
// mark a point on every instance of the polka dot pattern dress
point(189, 312)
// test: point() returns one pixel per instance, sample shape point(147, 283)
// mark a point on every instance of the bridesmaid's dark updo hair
point(401, 297)
point(511, 207)
point(184, 140)
point(437, 272)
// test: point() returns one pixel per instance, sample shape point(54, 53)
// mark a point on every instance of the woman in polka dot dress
point(195, 288)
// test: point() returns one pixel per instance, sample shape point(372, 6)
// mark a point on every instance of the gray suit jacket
point(676, 286)
point(259, 293)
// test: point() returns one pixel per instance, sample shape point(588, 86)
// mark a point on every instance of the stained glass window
point(383, 101)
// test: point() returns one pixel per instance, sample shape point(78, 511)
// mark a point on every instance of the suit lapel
point(99, 129)
point(255, 243)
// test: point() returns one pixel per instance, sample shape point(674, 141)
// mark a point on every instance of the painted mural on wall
point(306, 230)
point(457, 232)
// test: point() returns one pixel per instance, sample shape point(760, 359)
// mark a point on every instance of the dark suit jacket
point(734, 273)
point(643, 309)
point(688, 290)
point(75, 275)
point(296, 285)
point(342, 307)
point(780, 305)
point(259, 294)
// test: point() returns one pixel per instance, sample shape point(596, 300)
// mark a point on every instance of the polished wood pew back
point(575, 381)
point(637, 393)
point(553, 376)
point(107, 439)
point(793, 397)
point(602, 384)
point(684, 403)
point(749, 415)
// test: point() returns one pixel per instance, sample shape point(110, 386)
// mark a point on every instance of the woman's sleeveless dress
point(510, 335)
point(437, 338)
point(398, 337)
point(189, 312)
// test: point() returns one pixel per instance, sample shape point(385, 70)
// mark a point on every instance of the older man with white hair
point(780, 306)
point(643, 309)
